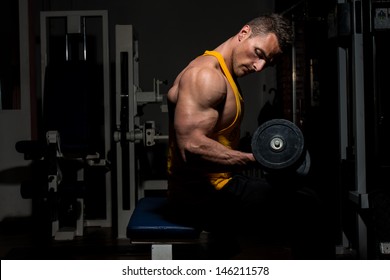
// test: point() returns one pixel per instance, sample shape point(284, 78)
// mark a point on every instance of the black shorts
point(244, 204)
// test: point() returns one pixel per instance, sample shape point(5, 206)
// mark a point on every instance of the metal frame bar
point(359, 122)
point(124, 44)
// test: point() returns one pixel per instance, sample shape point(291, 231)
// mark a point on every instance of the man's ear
point(244, 32)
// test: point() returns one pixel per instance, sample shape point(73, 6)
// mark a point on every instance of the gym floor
point(17, 242)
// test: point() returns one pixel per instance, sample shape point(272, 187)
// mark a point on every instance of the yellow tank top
point(228, 136)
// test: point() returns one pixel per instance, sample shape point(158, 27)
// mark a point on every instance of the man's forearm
point(212, 154)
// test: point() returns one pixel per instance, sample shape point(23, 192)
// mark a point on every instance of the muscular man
point(205, 112)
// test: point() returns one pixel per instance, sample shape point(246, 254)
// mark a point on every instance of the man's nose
point(259, 65)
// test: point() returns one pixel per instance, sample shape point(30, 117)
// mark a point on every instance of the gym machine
point(362, 125)
point(352, 114)
point(73, 189)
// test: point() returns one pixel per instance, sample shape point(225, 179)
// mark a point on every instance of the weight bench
point(149, 225)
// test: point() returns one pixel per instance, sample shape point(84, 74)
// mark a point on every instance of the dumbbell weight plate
point(305, 166)
point(278, 144)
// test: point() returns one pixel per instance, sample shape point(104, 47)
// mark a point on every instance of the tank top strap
point(226, 71)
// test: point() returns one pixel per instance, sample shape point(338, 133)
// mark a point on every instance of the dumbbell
point(278, 145)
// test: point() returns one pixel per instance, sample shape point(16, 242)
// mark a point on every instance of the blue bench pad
point(149, 221)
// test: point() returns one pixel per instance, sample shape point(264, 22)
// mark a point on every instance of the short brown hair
point(273, 23)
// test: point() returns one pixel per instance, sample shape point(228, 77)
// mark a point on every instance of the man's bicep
point(200, 93)
point(192, 117)
point(193, 125)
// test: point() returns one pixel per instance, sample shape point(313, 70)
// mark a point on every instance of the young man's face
point(254, 53)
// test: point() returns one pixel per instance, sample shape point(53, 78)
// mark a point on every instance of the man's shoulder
point(203, 76)
point(203, 67)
